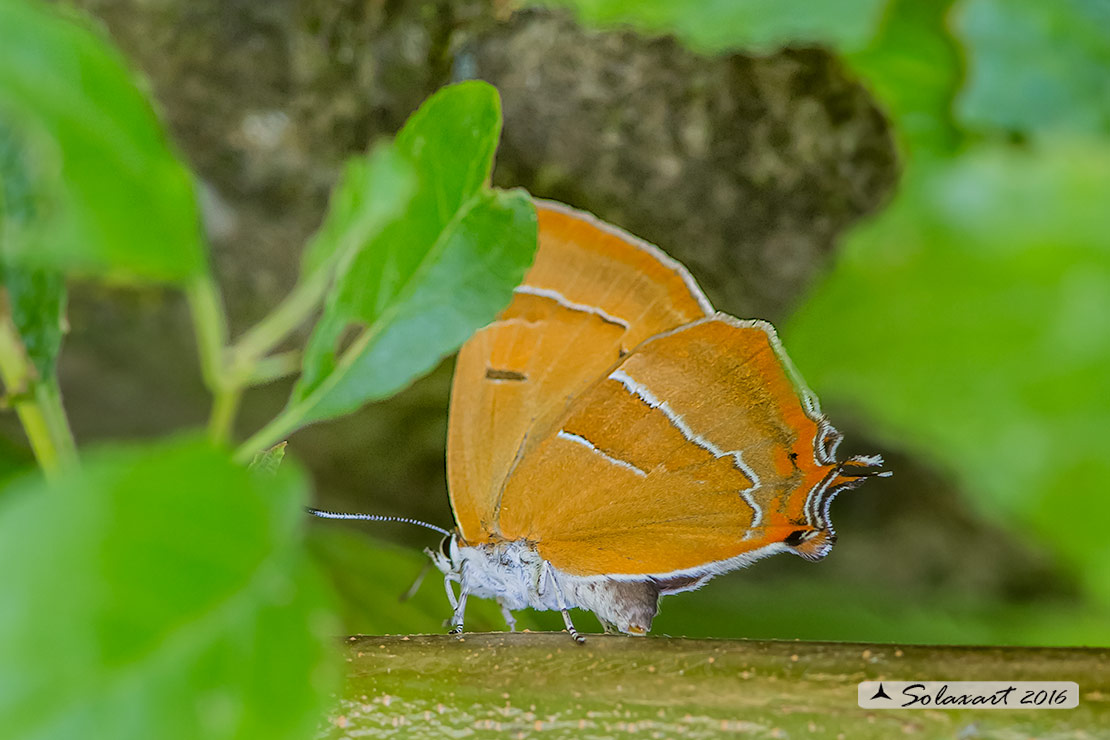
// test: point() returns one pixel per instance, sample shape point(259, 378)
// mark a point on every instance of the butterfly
point(612, 439)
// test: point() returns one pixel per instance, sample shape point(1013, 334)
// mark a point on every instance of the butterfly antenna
point(374, 518)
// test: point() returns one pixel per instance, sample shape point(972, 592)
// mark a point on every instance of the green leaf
point(718, 25)
point(466, 278)
point(971, 322)
point(37, 301)
point(372, 191)
point(113, 200)
point(268, 461)
point(428, 280)
point(1037, 66)
point(35, 297)
point(914, 67)
point(160, 591)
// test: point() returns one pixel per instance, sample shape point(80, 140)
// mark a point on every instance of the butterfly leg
point(562, 602)
point(508, 615)
point(417, 583)
point(457, 618)
point(458, 605)
point(450, 592)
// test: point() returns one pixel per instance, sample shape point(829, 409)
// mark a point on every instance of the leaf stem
point(221, 420)
point(229, 371)
point(49, 397)
point(271, 368)
point(293, 311)
point(210, 325)
point(38, 404)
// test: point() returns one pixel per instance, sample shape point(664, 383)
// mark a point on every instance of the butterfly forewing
point(699, 447)
point(593, 294)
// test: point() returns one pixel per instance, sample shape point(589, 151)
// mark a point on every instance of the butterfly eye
point(796, 537)
point(445, 548)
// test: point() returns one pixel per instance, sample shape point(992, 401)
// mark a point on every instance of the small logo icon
point(880, 694)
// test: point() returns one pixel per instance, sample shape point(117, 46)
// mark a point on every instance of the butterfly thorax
point(511, 572)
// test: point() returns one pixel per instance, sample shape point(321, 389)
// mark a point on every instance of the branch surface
point(543, 685)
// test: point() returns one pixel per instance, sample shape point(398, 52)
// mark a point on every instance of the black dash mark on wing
point(492, 374)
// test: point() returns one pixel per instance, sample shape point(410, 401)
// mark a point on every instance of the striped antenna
point(374, 518)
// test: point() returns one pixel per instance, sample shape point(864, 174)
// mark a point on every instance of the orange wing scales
point(578, 439)
point(593, 293)
point(645, 395)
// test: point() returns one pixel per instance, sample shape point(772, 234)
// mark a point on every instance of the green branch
point(228, 371)
point(290, 314)
point(37, 403)
point(543, 685)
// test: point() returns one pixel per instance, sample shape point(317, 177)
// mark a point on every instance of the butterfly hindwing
point(701, 446)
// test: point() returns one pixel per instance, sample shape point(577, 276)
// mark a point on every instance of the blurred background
point(915, 193)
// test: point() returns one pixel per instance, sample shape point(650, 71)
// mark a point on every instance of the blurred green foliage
point(159, 591)
point(97, 153)
point(36, 295)
point(164, 589)
point(914, 68)
point(718, 25)
point(1036, 66)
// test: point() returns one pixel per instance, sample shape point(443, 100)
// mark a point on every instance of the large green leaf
point(720, 25)
point(159, 592)
point(372, 191)
point(114, 200)
point(1037, 65)
point(429, 278)
point(35, 296)
point(972, 323)
point(914, 67)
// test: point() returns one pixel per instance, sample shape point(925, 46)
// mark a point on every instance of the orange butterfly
point(612, 439)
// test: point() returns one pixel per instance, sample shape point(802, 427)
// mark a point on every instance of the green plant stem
point(37, 404)
point(271, 368)
point(293, 311)
point(225, 404)
point(227, 372)
point(210, 325)
point(292, 417)
point(49, 398)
